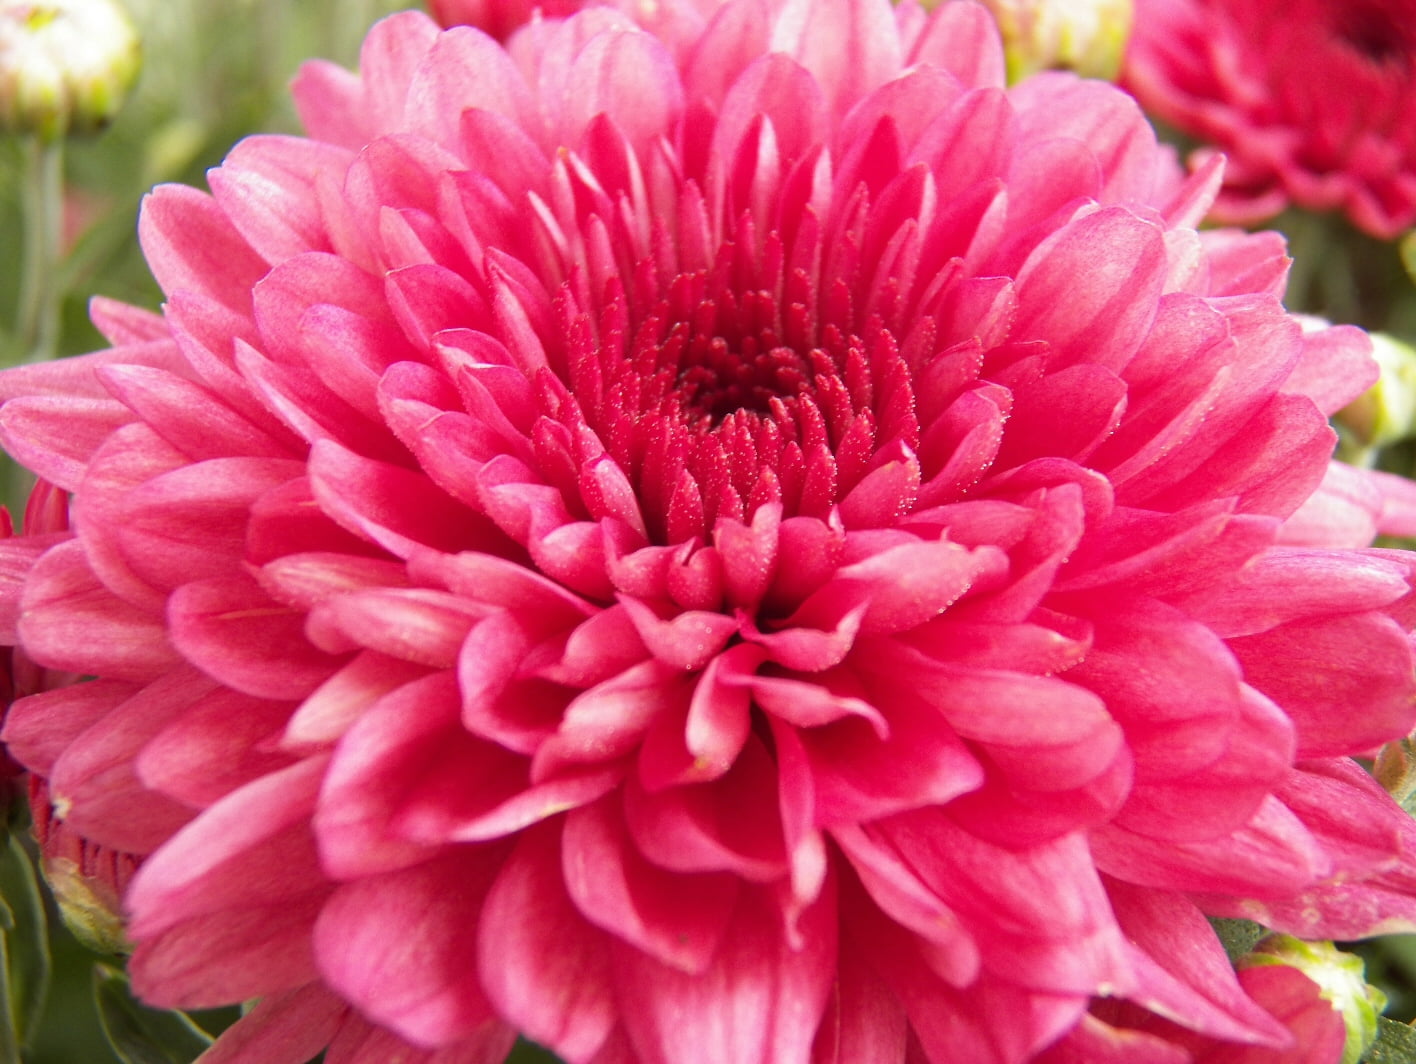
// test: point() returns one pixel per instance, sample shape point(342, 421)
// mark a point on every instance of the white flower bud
point(1088, 36)
point(65, 65)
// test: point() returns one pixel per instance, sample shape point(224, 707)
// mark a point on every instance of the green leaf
point(525, 1052)
point(1395, 1044)
point(138, 1034)
point(9, 1036)
point(26, 939)
point(1237, 936)
point(1407, 250)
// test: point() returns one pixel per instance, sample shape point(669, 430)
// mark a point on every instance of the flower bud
point(87, 880)
point(65, 65)
point(1341, 981)
point(1386, 412)
point(1088, 36)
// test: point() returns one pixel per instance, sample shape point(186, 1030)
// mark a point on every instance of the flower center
point(1375, 32)
point(722, 400)
point(718, 378)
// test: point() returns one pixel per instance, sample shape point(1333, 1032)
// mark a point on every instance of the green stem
point(41, 296)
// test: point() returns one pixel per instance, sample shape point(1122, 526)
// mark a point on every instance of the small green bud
point(1341, 980)
point(65, 65)
point(1385, 412)
point(89, 906)
point(1395, 770)
point(1088, 36)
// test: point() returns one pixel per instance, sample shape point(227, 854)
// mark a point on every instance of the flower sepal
point(1341, 982)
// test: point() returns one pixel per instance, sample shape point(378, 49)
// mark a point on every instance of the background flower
point(1311, 101)
point(768, 527)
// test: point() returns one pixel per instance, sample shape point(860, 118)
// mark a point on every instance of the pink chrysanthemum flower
point(1312, 100)
point(766, 549)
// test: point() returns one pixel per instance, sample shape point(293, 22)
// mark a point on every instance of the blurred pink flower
point(1311, 101)
point(498, 17)
point(770, 549)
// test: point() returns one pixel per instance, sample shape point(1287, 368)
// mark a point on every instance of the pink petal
point(761, 999)
point(287, 1028)
point(234, 631)
point(677, 919)
point(397, 946)
point(543, 967)
point(69, 620)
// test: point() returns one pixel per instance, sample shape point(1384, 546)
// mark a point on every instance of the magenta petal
point(719, 712)
point(1094, 1042)
point(359, 1042)
point(69, 620)
point(904, 586)
point(608, 720)
point(189, 417)
point(1184, 974)
point(677, 919)
point(863, 1021)
point(1272, 855)
point(266, 188)
point(964, 41)
point(387, 505)
point(286, 1028)
point(39, 728)
point(951, 952)
point(544, 968)
point(1119, 298)
point(860, 775)
point(1316, 669)
point(253, 845)
point(226, 958)
point(191, 245)
point(1288, 584)
point(56, 437)
point(1003, 711)
point(1370, 891)
point(683, 828)
point(761, 999)
point(998, 892)
point(399, 946)
point(333, 706)
point(96, 771)
point(688, 640)
point(222, 742)
point(377, 762)
point(190, 524)
point(417, 624)
point(17, 558)
point(234, 631)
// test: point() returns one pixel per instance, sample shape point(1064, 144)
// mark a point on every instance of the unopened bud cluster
point(1088, 36)
point(65, 65)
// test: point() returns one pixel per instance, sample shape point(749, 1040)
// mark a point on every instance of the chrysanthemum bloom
point(767, 551)
point(1312, 100)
